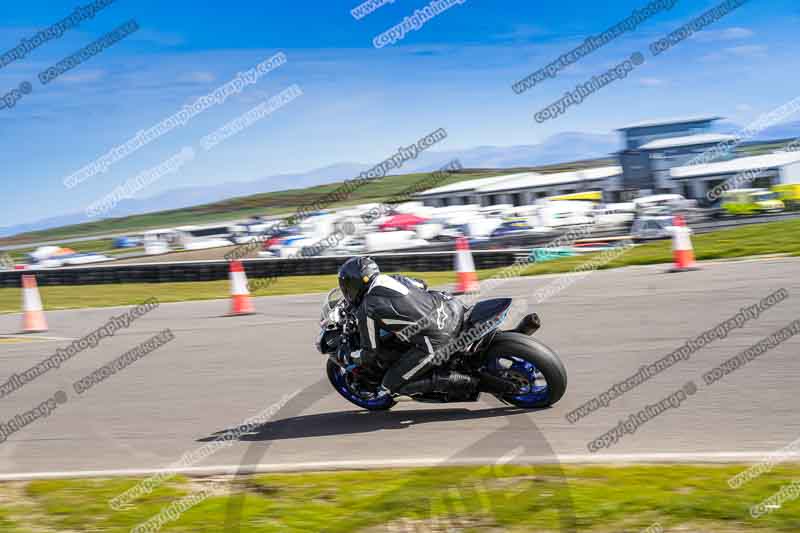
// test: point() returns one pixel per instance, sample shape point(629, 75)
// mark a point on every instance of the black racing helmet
point(355, 276)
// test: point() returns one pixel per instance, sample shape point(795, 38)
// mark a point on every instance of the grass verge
point(756, 239)
point(501, 498)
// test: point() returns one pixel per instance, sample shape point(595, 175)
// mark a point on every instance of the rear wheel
point(345, 384)
point(537, 371)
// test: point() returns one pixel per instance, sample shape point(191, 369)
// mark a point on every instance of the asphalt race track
point(218, 371)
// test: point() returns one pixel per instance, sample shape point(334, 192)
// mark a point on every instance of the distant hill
point(556, 149)
point(785, 130)
point(563, 147)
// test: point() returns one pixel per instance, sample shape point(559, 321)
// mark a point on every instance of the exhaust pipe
point(495, 385)
point(529, 324)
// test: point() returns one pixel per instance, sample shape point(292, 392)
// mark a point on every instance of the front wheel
point(345, 385)
point(537, 371)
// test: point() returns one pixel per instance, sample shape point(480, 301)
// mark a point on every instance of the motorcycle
point(511, 365)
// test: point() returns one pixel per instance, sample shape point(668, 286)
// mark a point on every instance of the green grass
point(506, 498)
point(76, 297)
point(757, 239)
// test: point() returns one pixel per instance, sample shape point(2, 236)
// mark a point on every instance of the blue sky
point(359, 103)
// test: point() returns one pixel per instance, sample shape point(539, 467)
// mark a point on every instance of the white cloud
point(522, 33)
point(752, 50)
point(737, 33)
point(82, 76)
point(198, 77)
point(650, 82)
point(728, 34)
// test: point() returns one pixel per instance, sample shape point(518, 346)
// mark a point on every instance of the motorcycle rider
point(401, 325)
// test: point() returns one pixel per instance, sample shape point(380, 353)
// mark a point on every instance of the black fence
point(255, 268)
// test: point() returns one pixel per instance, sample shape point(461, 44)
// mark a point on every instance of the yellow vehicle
point(751, 202)
point(789, 194)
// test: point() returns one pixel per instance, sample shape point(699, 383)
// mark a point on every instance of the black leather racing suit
point(401, 315)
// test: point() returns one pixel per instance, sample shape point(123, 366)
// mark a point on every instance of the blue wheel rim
point(342, 385)
point(535, 391)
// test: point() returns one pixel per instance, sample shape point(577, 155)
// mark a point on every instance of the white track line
point(27, 336)
point(631, 458)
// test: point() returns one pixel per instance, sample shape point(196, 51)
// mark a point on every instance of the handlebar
point(339, 315)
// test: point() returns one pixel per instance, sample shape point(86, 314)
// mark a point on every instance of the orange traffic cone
point(33, 320)
point(240, 296)
point(682, 250)
point(467, 279)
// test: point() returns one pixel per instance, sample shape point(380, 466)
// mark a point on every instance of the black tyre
point(537, 370)
point(365, 399)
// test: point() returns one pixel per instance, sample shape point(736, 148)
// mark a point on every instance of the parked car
point(565, 213)
point(614, 215)
point(512, 227)
point(648, 228)
point(347, 246)
point(663, 201)
point(451, 232)
point(386, 241)
point(751, 202)
point(158, 241)
point(789, 194)
point(127, 242)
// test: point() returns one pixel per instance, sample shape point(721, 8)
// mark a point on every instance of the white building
point(656, 159)
point(460, 193)
point(525, 189)
point(521, 188)
point(754, 171)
